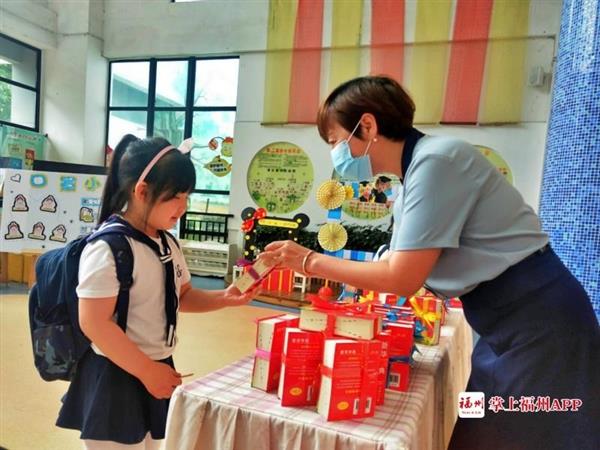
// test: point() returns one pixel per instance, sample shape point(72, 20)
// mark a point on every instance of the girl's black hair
point(174, 173)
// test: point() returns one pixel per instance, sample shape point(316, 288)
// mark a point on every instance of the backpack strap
point(123, 256)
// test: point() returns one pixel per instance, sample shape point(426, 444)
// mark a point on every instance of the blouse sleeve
point(97, 272)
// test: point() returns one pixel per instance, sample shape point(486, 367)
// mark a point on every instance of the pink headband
point(185, 147)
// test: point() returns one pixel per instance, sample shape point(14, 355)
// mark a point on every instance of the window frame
point(36, 89)
point(189, 108)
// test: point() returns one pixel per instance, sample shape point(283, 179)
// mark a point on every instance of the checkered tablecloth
point(222, 412)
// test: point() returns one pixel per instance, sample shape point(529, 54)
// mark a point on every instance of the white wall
point(30, 21)
point(74, 100)
point(74, 72)
point(138, 28)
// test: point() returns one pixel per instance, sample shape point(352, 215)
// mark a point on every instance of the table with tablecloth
point(222, 412)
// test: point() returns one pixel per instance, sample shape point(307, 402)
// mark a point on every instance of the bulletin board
point(44, 210)
point(280, 177)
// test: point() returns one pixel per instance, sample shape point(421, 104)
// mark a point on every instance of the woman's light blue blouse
point(454, 199)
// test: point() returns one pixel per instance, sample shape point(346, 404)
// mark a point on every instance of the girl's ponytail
point(111, 202)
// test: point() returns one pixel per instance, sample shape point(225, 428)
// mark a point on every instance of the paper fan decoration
point(332, 237)
point(331, 194)
point(349, 192)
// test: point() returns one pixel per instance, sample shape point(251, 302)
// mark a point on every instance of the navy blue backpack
point(58, 342)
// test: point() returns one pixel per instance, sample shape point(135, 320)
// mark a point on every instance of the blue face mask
point(348, 167)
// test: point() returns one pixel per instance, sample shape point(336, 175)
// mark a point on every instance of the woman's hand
point(160, 379)
point(285, 254)
point(233, 297)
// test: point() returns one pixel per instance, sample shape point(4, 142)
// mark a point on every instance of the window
point(19, 84)
point(177, 99)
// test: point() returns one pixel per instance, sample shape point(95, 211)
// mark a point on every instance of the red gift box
point(270, 337)
point(253, 275)
point(398, 375)
point(341, 322)
point(302, 357)
point(394, 312)
point(402, 338)
point(454, 303)
point(381, 297)
point(349, 379)
point(428, 312)
point(384, 337)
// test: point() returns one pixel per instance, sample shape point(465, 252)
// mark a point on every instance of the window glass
point(121, 123)
point(17, 105)
point(129, 83)
point(21, 62)
point(213, 203)
point(171, 83)
point(170, 125)
point(213, 168)
point(166, 110)
point(216, 82)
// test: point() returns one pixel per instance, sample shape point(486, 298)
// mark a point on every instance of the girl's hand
point(160, 379)
point(284, 254)
point(233, 297)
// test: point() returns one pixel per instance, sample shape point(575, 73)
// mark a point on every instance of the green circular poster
point(497, 161)
point(280, 177)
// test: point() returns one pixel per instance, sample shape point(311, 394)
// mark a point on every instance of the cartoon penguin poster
point(20, 204)
point(38, 232)
point(14, 231)
point(58, 234)
point(49, 204)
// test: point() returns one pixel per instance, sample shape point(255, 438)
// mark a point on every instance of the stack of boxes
point(337, 358)
point(270, 338)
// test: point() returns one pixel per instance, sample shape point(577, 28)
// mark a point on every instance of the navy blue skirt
point(106, 403)
point(540, 341)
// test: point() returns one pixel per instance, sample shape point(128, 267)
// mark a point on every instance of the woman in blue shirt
point(462, 230)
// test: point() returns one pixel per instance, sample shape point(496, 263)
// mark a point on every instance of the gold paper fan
point(349, 192)
point(332, 237)
point(331, 194)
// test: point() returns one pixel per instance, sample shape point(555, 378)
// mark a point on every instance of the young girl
point(120, 395)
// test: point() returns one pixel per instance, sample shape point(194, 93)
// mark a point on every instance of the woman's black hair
point(174, 173)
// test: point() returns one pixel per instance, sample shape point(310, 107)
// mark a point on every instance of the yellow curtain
point(345, 32)
point(280, 41)
point(502, 99)
point(429, 59)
